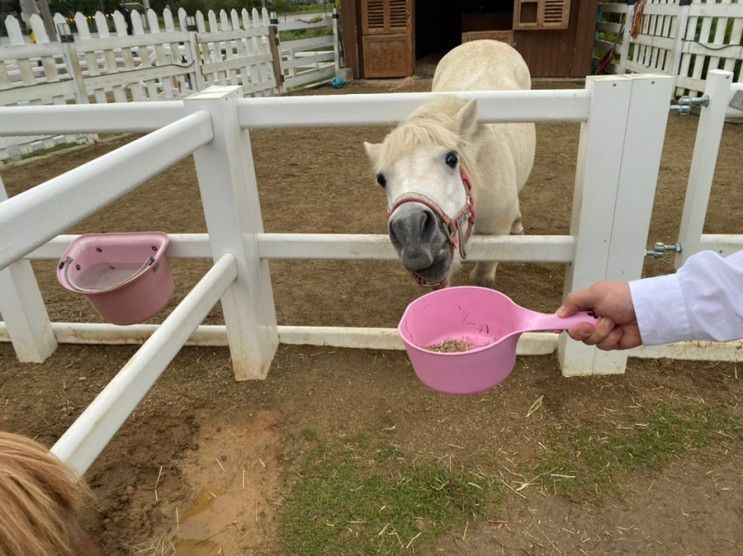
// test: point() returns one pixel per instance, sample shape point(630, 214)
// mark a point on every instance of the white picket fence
point(161, 59)
point(306, 61)
point(683, 38)
point(623, 126)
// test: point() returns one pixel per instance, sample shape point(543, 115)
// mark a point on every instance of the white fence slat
point(182, 20)
point(13, 27)
point(703, 162)
point(22, 307)
point(168, 20)
point(597, 181)
point(38, 29)
point(640, 164)
point(200, 24)
point(719, 38)
point(229, 195)
point(109, 56)
point(135, 88)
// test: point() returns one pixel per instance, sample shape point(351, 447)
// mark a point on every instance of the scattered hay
point(450, 346)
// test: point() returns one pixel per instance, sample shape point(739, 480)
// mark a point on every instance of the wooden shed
point(385, 38)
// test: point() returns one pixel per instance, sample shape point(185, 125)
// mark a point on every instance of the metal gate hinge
point(660, 249)
point(684, 105)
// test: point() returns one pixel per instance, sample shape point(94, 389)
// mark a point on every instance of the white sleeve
point(702, 301)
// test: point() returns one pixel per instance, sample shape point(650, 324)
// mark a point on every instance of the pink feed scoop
point(487, 321)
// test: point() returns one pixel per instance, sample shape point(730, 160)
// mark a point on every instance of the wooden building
point(384, 38)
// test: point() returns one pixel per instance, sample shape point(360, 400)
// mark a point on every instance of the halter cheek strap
point(454, 227)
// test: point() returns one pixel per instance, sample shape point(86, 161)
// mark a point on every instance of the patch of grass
point(296, 34)
point(55, 148)
point(348, 503)
point(589, 464)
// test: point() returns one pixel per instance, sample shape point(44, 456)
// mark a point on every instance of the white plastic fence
point(623, 125)
point(309, 60)
point(163, 58)
point(684, 38)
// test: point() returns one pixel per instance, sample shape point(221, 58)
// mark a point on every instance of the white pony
point(447, 176)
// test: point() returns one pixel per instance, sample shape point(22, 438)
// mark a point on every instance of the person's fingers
point(601, 330)
point(576, 301)
point(580, 332)
point(630, 337)
point(612, 341)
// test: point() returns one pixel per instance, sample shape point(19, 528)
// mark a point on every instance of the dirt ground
point(205, 465)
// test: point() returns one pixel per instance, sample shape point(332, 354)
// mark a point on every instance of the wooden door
point(387, 38)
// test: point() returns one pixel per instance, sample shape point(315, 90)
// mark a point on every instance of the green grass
point(353, 500)
point(305, 33)
point(55, 148)
point(589, 465)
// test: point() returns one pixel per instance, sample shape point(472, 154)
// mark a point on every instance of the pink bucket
point(125, 276)
point(487, 321)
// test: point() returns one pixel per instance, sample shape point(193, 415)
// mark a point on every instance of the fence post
point(273, 41)
point(629, 18)
point(193, 45)
point(336, 48)
point(596, 186)
point(229, 194)
point(718, 88)
point(682, 21)
point(23, 309)
point(72, 63)
point(617, 253)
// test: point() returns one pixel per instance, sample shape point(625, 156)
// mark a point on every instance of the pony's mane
point(413, 135)
point(40, 496)
point(429, 125)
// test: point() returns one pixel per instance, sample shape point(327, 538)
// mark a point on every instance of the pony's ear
point(465, 121)
point(372, 151)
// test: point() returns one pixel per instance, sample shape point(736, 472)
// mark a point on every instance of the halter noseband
point(453, 226)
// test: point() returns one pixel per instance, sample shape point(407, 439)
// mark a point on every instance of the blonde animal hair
point(39, 497)
point(433, 124)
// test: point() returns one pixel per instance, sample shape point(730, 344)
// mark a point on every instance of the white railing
point(623, 125)
point(676, 37)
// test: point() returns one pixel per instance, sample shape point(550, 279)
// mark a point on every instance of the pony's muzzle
point(413, 229)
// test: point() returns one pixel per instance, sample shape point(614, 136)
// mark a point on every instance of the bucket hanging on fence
point(125, 276)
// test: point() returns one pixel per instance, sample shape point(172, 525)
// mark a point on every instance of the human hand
point(612, 302)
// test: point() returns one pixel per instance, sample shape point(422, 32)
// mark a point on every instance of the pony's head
point(423, 166)
point(40, 498)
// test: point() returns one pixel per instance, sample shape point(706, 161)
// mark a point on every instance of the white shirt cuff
point(660, 310)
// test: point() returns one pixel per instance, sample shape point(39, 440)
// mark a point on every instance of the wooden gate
point(387, 29)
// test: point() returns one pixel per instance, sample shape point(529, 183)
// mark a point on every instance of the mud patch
point(234, 475)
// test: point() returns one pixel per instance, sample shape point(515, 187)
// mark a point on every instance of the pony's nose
point(412, 231)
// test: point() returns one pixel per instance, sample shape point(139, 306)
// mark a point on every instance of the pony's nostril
point(429, 225)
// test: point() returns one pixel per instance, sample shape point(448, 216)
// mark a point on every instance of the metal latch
point(684, 104)
point(660, 249)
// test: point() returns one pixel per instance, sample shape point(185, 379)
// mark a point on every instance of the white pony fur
point(498, 157)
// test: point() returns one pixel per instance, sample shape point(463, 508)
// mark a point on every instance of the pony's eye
point(452, 159)
point(381, 180)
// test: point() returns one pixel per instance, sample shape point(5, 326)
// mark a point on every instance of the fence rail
point(675, 37)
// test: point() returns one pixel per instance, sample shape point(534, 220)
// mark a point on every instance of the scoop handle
point(553, 322)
